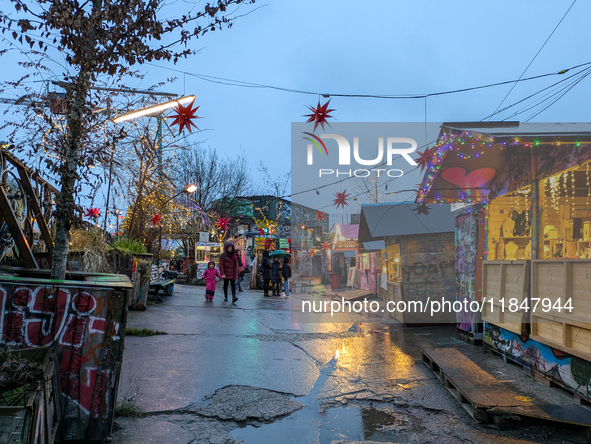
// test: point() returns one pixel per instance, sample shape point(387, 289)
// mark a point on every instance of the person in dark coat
point(267, 274)
point(229, 269)
point(286, 272)
point(276, 276)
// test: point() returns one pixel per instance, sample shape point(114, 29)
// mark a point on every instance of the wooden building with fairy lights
point(532, 184)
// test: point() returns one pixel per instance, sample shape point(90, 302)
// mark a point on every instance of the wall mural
point(570, 371)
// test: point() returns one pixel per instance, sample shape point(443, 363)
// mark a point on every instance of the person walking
point(286, 272)
point(276, 276)
point(240, 270)
point(267, 274)
point(210, 275)
point(229, 269)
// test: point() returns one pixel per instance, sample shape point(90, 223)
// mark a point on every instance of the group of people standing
point(231, 270)
point(274, 272)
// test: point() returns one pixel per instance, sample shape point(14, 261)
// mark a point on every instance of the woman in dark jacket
point(286, 272)
point(229, 269)
point(266, 265)
point(276, 276)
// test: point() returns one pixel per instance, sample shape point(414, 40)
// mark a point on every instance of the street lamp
point(189, 190)
point(155, 109)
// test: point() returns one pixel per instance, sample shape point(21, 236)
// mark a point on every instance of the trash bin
point(84, 319)
point(335, 280)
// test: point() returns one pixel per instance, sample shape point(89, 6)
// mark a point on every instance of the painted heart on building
point(474, 179)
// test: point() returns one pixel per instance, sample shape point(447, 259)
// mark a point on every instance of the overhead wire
point(535, 56)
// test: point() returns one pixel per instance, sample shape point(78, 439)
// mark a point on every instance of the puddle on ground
point(336, 423)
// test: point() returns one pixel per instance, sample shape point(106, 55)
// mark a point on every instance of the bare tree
point(99, 38)
point(276, 186)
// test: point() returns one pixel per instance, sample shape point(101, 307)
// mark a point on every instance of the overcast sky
point(374, 47)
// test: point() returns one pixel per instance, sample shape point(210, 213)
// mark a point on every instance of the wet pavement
point(243, 372)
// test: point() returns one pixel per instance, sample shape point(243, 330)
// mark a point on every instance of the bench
point(159, 283)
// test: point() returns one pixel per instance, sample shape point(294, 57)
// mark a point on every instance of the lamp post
point(189, 190)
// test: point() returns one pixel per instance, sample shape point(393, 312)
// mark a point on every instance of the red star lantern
point(312, 254)
point(156, 219)
point(261, 232)
point(92, 213)
point(223, 223)
point(425, 157)
point(326, 246)
point(422, 208)
point(319, 115)
point(320, 215)
point(184, 116)
point(289, 241)
point(341, 199)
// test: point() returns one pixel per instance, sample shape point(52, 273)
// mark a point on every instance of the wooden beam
point(15, 229)
point(34, 205)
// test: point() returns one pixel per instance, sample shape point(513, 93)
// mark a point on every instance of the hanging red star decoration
point(223, 223)
point(320, 215)
point(261, 232)
point(326, 246)
point(92, 213)
point(422, 208)
point(425, 157)
point(156, 219)
point(289, 241)
point(312, 253)
point(184, 116)
point(341, 199)
point(319, 115)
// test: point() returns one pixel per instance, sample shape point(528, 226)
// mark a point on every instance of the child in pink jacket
point(209, 275)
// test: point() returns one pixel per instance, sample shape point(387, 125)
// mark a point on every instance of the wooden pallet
point(488, 400)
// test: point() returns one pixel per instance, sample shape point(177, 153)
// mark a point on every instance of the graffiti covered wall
point(86, 324)
point(428, 271)
point(570, 371)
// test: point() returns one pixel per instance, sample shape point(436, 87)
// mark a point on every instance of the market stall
point(533, 181)
point(419, 250)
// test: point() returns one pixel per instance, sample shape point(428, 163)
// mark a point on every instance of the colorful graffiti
point(570, 371)
point(85, 325)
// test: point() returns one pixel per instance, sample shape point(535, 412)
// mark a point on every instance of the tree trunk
point(68, 172)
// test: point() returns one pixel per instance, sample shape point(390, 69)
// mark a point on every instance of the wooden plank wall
point(506, 280)
point(557, 281)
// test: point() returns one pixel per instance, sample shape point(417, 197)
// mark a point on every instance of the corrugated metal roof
point(398, 219)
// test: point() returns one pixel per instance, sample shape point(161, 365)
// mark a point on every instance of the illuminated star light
point(424, 158)
point(341, 199)
point(326, 246)
point(320, 215)
point(319, 115)
point(156, 219)
point(223, 223)
point(92, 213)
point(184, 116)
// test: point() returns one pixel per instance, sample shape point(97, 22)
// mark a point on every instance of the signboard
point(283, 243)
point(203, 236)
point(351, 276)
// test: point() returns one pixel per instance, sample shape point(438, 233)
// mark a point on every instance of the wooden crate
point(506, 280)
point(564, 330)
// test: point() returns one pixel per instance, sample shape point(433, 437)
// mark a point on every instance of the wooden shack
point(534, 182)
point(416, 250)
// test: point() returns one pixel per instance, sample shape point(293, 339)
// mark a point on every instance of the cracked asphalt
point(229, 373)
